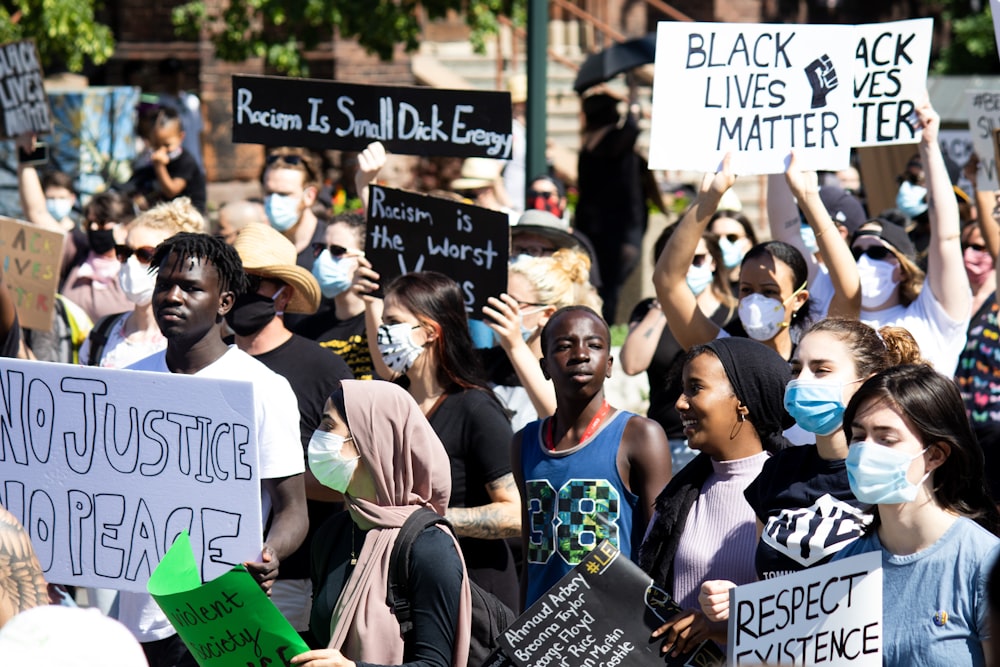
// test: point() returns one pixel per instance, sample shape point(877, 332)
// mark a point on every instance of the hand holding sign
point(928, 121)
point(324, 657)
point(714, 599)
point(264, 572)
point(370, 163)
point(503, 315)
point(721, 181)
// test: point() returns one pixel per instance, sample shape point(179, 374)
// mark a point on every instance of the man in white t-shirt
point(198, 280)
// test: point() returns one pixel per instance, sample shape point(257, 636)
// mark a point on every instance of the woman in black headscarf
point(732, 413)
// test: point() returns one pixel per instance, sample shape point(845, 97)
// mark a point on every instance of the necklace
point(592, 427)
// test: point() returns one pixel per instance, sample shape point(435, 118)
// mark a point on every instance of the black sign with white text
point(22, 94)
point(412, 232)
point(279, 111)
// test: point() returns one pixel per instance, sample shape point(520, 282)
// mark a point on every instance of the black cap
point(891, 233)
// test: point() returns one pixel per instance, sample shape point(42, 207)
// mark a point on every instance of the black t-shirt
point(183, 166)
point(313, 374)
point(348, 340)
point(476, 434)
point(807, 508)
point(435, 587)
point(11, 343)
point(664, 371)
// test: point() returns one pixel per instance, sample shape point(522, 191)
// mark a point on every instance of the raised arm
point(641, 341)
point(687, 323)
point(783, 217)
point(502, 316)
point(846, 301)
point(29, 186)
point(946, 275)
point(370, 163)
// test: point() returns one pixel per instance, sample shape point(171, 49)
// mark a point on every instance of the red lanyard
point(592, 427)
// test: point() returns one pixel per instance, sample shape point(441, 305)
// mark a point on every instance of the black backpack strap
point(397, 596)
point(99, 337)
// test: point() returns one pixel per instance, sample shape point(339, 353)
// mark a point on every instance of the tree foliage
point(973, 47)
point(65, 31)
point(280, 30)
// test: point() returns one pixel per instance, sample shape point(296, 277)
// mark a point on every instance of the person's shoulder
point(970, 534)
point(318, 357)
point(864, 544)
point(640, 428)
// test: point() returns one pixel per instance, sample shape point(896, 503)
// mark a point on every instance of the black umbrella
point(621, 57)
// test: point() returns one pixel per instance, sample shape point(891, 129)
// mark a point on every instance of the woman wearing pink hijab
point(375, 446)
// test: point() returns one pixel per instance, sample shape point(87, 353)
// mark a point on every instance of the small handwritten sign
point(22, 93)
point(225, 622)
point(411, 232)
point(31, 259)
point(601, 613)
point(104, 468)
point(279, 111)
point(830, 615)
point(984, 118)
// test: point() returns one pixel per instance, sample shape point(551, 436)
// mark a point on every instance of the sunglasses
point(533, 250)
point(143, 254)
point(873, 251)
point(294, 160)
point(337, 251)
point(699, 259)
point(540, 193)
point(978, 247)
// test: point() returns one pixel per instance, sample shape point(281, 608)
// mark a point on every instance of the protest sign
point(22, 93)
point(31, 259)
point(984, 117)
point(412, 232)
point(759, 91)
point(225, 622)
point(279, 111)
point(104, 468)
point(600, 614)
point(890, 79)
point(830, 614)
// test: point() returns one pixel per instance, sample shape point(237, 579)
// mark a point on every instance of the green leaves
point(281, 30)
point(65, 31)
point(972, 48)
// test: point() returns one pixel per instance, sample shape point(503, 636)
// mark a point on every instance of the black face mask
point(250, 313)
point(101, 241)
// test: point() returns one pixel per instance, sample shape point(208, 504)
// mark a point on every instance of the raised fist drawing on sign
point(823, 79)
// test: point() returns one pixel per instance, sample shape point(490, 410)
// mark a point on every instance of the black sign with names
point(600, 614)
point(279, 111)
point(413, 232)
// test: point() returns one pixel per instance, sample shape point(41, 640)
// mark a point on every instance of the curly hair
point(563, 279)
point(220, 254)
point(176, 215)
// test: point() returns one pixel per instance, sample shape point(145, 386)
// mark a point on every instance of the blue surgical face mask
point(333, 274)
point(816, 406)
point(732, 252)
point(59, 207)
point(809, 239)
point(327, 461)
point(877, 474)
point(911, 199)
point(282, 210)
point(699, 277)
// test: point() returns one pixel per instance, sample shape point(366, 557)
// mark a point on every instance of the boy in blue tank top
point(590, 472)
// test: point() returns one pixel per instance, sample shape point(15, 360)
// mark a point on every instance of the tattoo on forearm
point(490, 522)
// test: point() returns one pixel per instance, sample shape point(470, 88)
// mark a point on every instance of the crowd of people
point(827, 392)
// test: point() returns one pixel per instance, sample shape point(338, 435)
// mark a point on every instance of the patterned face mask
point(396, 345)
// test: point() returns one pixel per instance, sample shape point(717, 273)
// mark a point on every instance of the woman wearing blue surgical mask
point(650, 347)
point(736, 236)
point(914, 457)
point(806, 511)
point(120, 339)
point(894, 291)
point(536, 288)
point(424, 336)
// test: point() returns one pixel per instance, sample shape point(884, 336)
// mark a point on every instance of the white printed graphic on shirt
point(808, 535)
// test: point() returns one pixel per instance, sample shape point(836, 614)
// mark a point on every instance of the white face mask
point(877, 282)
point(327, 462)
point(137, 282)
point(395, 343)
point(762, 317)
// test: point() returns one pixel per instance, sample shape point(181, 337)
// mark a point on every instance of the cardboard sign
point(890, 79)
point(758, 91)
point(601, 613)
point(984, 117)
point(279, 111)
point(22, 94)
point(31, 259)
point(104, 468)
point(412, 232)
point(830, 615)
point(226, 622)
